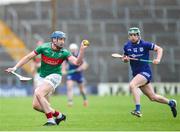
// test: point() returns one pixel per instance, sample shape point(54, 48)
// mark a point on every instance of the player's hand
point(11, 69)
point(125, 59)
point(156, 61)
point(84, 44)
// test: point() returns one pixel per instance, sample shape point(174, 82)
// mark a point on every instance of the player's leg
point(70, 84)
point(37, 106)
point(149, 92)
point(135, 83)
point(40, 94)
point(54, 80)
point(38, 81)
point(83, 93)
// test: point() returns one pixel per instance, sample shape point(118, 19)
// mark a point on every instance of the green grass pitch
point(108, 113)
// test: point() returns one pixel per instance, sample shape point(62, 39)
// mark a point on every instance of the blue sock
point(171, 103)
point(138, 107)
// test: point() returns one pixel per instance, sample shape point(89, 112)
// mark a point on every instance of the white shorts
point(53, 79)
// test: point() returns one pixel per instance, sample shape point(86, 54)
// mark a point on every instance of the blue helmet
point(58, 34)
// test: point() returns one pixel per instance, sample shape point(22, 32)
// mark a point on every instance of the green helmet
point(134, 30)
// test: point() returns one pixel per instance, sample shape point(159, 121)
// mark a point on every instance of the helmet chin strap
point(57, 46)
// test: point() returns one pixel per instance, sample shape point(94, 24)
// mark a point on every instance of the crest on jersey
point(60, 54)
point(135, 49)
point(141, 49)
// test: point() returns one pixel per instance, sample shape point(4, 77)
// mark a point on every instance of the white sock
point(59, 116)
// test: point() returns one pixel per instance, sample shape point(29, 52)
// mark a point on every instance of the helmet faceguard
point(134, 31)
point(58, 35)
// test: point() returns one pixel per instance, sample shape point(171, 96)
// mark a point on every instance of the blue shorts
point(147, 75)
point(78, 79)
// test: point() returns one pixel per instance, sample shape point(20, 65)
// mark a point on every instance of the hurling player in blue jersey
point(76, 76)
point(138, 48)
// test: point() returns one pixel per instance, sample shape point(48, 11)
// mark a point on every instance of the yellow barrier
point(13, 45)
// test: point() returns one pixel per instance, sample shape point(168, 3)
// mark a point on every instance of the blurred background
point(104, 23)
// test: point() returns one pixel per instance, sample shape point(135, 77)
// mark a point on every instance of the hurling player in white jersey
point(52, 56)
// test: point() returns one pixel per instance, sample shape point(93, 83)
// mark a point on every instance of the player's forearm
point(64, 66)
point(23, 61)
point(159, 53)
point(81, 68)
point(79, 60)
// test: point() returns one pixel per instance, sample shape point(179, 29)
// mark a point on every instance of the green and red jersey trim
point(50, 61)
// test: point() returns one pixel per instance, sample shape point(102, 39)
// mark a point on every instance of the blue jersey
point(140, 51)
point(76, 76)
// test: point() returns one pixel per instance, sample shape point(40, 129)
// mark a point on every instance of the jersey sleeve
point(38, 50)
point(67, 54)
point(125, 50)
point(149, 45)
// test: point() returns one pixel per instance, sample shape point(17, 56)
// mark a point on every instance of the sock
point(70, 101)
point(138, 107)
point(171, 103)
point(57, 114)
point(84, 96)
point(50, 117)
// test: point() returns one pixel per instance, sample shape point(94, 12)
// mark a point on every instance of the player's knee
point(81, 90)
point(69, 88)
point(35, 106)
point(132, 86)
point(37, 93)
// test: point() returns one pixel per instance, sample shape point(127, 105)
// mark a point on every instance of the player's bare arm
point(64, 67)
point(83, 66)
point(159, 52)
point(79, 59)
point(23, 61)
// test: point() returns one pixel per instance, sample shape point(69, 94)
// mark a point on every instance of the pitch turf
point(104, 113)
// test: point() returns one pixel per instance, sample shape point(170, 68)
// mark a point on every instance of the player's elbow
point(160, 49)
point(78, 63)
